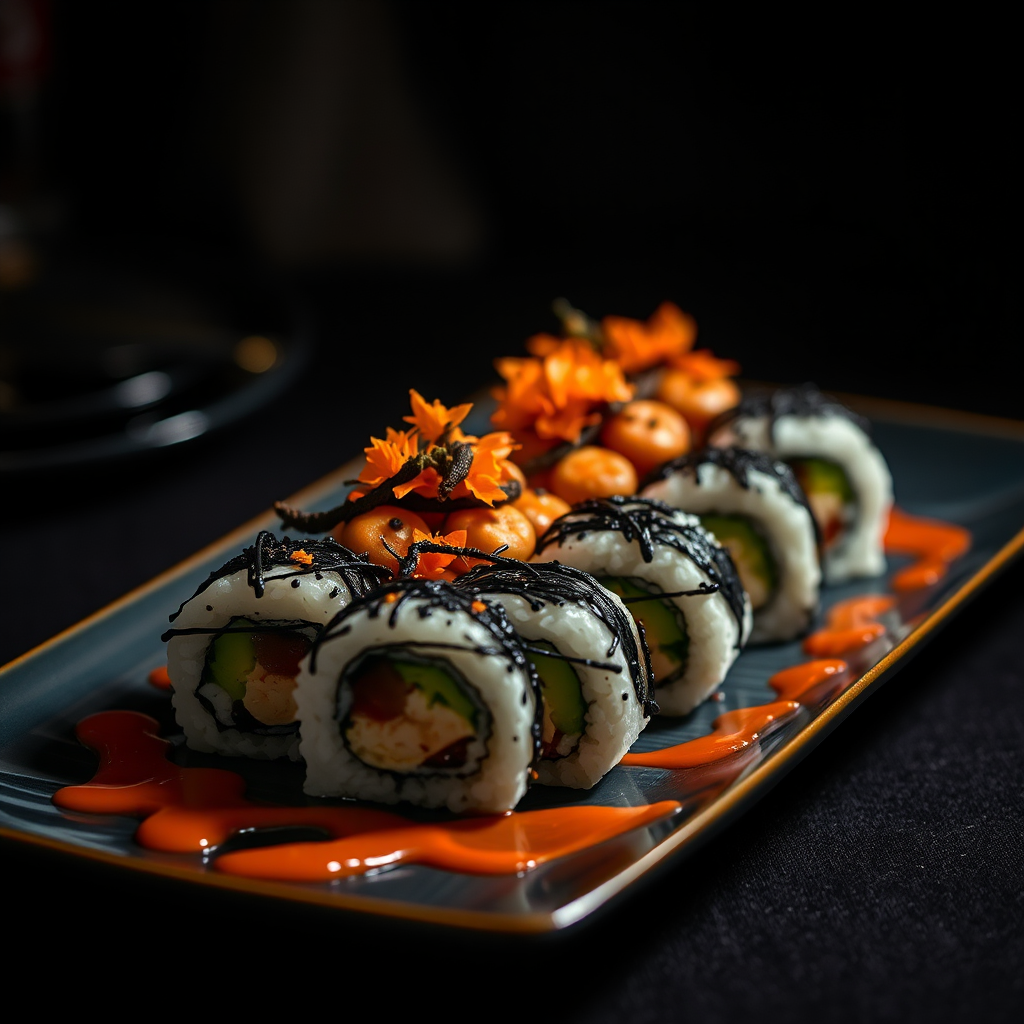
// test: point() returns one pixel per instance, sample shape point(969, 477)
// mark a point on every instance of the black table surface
point(880, 880)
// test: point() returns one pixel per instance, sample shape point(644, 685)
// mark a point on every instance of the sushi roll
point(753, 504)
point(234, 650)
point(829, 448)
point(423, 693)
point(592, 665)
point(679, 584)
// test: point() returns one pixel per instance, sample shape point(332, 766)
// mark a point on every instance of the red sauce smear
point(733, 731)
point(190, 810)
point(935, 544)
point(850, 625)
point(159, 679)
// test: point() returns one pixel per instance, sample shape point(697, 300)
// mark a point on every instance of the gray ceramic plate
point(963, 469)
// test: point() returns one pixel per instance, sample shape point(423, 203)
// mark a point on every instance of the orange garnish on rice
point(429, 465)
point(435, 431)
point(301, 557)
point(434, 565)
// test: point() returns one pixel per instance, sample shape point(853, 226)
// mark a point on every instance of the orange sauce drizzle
point(194, 810)
point(850, 625)
point(935, 544)
point(191, 810)
point(732, 732)
point(159, 679)
point(798, 681)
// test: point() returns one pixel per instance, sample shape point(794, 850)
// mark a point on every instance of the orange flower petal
point(638, 346)
point(432, 418)
point(703, 365)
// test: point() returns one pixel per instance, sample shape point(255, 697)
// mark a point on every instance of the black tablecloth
point(880, 880)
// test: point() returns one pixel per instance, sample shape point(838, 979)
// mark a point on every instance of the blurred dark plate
point(99, 365)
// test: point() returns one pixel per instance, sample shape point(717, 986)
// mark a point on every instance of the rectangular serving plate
point(960, 468)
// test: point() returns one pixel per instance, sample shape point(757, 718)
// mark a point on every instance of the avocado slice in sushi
point(437, 686)
point(230, 659)
point(249, 675)
point(564, 707)
point(829, 493)
point(750, 554)
point(662, 623)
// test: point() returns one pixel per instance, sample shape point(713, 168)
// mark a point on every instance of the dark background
point(832, 198)
point(829, 196)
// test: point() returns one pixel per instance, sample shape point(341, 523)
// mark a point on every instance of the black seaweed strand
point(541, 583)
point(739, 463)
point(799, 400)
point(649, 522)
point(326, 555)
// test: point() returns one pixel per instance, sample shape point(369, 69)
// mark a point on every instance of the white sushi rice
point(786, 525)
point(503, 756)
point(859, 551)
point(614, 715)
point(314, 601)
point(715, 635)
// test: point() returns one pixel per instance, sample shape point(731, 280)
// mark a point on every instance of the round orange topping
point(542, 508)
point(384, 525)
point(490, 528)
point(648, 433)
point(593, 472)
point(700, 401)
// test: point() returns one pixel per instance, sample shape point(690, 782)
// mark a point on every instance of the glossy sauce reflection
point(935, 544)
point(192, 810)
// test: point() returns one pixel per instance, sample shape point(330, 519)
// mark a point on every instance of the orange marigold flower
point(638, 346)
point(432, 419)
point(703, 365)
point(384, 458)
point(488, 469)
point(432, 566)
point(560, 390)
point(425, 483)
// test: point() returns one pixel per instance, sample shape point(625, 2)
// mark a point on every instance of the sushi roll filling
point(405, 712)
point(565, 709)
point(249, 674)
point(829, 495)
point(659, 620)
point(751, 554)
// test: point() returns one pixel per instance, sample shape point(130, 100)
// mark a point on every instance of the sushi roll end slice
point(234, 648)
point(844, 476)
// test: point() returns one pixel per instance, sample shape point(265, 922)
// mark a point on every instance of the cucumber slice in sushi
point(591, 662)
point(753, 505)
point(686, 585)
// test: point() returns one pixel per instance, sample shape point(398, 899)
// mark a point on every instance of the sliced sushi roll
point(423, 693)
point(234, 650)
point(753, 504)
point(592, 665)
point(679, 584)
point(844, 476)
